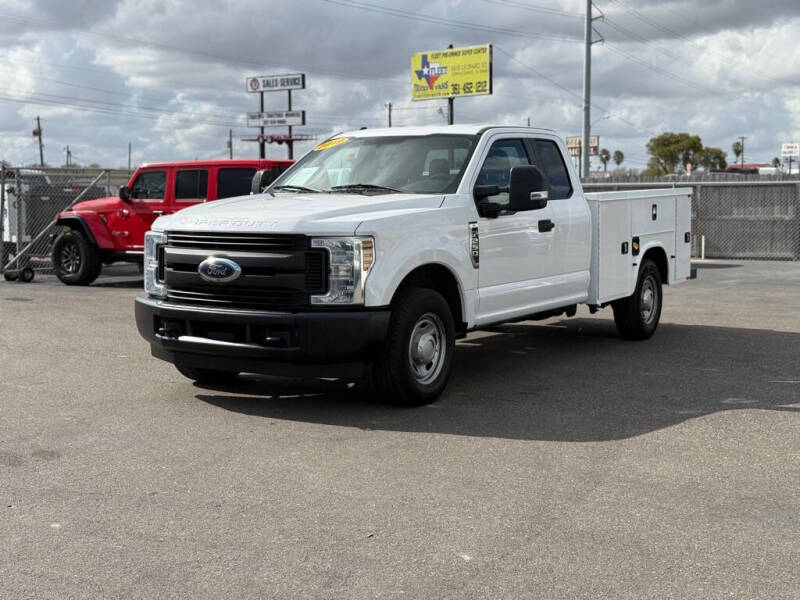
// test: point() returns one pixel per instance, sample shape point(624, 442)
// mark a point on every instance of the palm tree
point(605, 156)
point(737, 150)
point(776, 162)
point(618, 157)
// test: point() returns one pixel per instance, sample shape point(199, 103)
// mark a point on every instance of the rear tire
point(76, 261)
point(418, 354)
point(637, 316)
point(206, 375)
point(10, 276)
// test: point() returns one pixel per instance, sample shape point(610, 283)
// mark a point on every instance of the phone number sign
point(452, 73)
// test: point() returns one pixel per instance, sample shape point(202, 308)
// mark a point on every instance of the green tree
point(669, 152)
point(737, 150)
point(605, 156)
point(714, 159)
point(618, 157)
point(776, 162)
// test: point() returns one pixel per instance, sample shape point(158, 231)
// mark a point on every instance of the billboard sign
point(279, 118)
point(790, 150)
point(276, 83)
point(575, 142)
point(451, 73)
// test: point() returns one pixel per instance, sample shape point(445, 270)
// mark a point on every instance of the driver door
point(149, 200)
point(515, 247)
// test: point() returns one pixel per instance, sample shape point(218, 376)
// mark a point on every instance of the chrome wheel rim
point(70, 258)
point(649, 300)
point(426, 348)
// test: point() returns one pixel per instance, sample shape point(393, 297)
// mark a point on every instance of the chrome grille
point(278, 272)
point(248, 242)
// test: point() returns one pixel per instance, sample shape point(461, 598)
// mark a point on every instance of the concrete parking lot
point(562, 462)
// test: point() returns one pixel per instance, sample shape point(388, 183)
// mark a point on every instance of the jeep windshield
point(425, 164)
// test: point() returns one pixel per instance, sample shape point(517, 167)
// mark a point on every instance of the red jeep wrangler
point(107, 230)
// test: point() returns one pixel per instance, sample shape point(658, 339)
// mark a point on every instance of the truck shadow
point(573, 380)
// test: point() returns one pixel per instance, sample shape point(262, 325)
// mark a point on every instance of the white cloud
point(169, 76)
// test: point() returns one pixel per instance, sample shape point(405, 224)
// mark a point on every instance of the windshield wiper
point(294, 188)
point(365, 187)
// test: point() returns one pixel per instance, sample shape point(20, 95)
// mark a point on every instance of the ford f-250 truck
point(379, 248)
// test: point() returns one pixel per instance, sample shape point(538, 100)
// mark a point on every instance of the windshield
point(430, 164)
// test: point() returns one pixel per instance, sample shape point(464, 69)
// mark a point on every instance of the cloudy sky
point(168, 76)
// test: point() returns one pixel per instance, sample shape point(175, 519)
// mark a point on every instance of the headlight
point(154, 242)
point(350, 261)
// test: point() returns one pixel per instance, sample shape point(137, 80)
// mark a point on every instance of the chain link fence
point(730, 219)
point(30, 198)
point(737, 220)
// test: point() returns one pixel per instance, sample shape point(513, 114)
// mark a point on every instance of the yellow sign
point(452, 73)
point(330, 144)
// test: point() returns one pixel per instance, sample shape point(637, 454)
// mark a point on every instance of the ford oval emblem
point(219, 270)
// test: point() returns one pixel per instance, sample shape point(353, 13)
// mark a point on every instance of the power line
point(670, 75)
point(415, 16)
point(536, 8)
point(702, 49)
point(236, 60)
point(575, 94)
point(635, 36)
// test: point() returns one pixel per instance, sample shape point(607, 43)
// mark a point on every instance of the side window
point(550, 161)
point(150, 185)
point(234, 182)
point(191, 185)
point(496, 169)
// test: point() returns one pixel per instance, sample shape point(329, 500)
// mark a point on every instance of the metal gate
point(30, 199)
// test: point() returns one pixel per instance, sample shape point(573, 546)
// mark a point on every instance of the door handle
point(158, 212)
point(546, 225)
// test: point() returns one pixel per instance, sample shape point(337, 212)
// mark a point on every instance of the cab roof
point(470, 129)
point(236, 162)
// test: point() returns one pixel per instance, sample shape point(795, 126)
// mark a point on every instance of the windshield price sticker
point(330, 144)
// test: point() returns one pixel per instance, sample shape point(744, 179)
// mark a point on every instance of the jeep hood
point(99, 205)
point(310, 214)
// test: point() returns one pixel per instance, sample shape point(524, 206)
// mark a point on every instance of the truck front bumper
point(305, 344)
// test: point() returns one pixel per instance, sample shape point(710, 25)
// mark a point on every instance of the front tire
point(26, 275)
point(206, 375)
point(75, 260)
point(637, 316)
point(418, 355)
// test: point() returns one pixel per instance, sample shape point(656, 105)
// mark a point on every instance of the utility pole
point(230, 143)
point(450, 101)
point(262, 150)
point(290, 142)
point(38, 133)
point(587, 85)
point(742, 139)
point(529, 121)
point(388, 105)
point(69, 155)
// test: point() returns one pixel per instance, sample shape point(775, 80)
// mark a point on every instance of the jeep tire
point(76, 261)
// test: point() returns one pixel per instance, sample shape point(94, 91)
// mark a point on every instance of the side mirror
point(10, 190)
point(527, 188)
point(262, 179)
point(124, 193)
point(485, 191)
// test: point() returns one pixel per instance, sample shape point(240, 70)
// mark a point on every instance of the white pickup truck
point(380, 248)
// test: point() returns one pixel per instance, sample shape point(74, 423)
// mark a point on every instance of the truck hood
point(311, 214)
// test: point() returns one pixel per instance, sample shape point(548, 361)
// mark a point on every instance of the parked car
point(107, 230)
point(379, 248)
